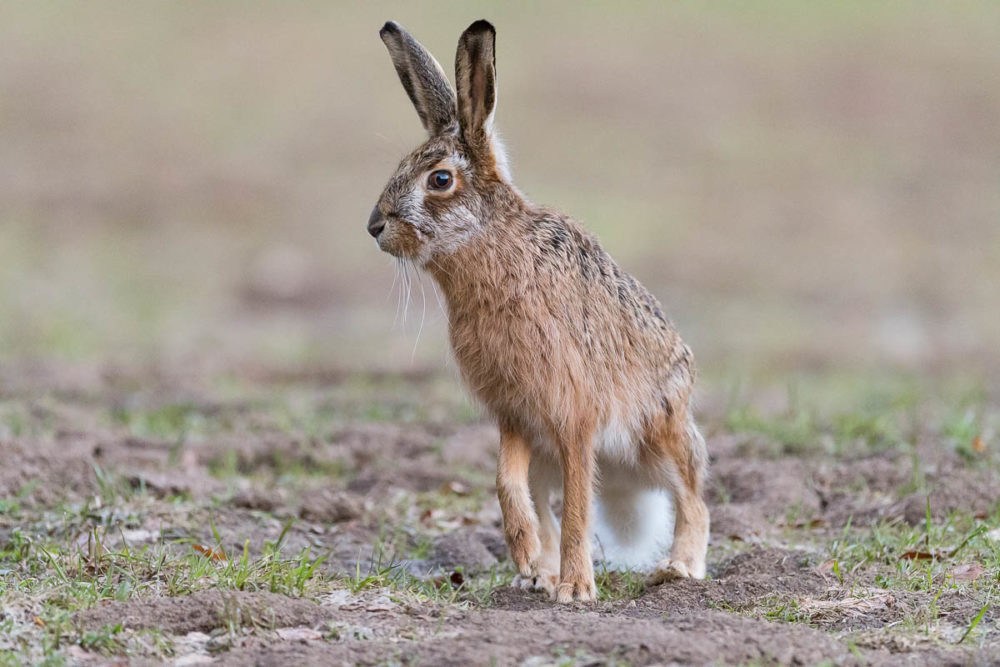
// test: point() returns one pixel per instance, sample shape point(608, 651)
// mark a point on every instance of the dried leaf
point(455, 487)
point(432, 518)
point(966, 573)
point(918, 555)
point(208, 552)
point(978, 444)
point(39, 621)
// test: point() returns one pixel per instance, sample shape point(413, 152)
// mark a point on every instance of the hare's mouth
point(399, 239)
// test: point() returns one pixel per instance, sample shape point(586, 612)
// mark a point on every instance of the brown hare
point(588, 382)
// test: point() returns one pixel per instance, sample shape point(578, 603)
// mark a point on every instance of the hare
point(588, 382)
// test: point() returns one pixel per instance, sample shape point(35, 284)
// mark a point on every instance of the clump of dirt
point(262, 500)
point(880, 473)
point(749, 498)
point(741, 521)
point(774, 486)
point(42, 474)
point(950, 490)
point(740, 583)
point(463, 549)
point(204, 612)
point(767, 562)
point(868, 490)
point(169, 483)
point(413, 457)
point(271, 453)
point(514, 598)
point(328, 506)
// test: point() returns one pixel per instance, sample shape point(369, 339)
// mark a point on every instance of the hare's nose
point(376, 223)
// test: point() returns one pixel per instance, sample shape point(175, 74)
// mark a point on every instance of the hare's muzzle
point(376, 223)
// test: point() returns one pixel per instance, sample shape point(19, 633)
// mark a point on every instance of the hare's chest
point(505, 363)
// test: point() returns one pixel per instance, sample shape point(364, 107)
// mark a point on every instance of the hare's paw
point(540, 581)
point(668, 570)
point(542, 575)
point(576, 588)
point(524, 550)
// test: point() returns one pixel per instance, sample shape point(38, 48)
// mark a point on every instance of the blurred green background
point(804, 185)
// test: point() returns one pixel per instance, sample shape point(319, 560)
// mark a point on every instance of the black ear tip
point(480, 26)
point(390, 28)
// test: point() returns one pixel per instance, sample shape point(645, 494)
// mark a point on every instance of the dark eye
point(439, 180)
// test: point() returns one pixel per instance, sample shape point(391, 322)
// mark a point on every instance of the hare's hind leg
point(520, 524)
point(678, 458)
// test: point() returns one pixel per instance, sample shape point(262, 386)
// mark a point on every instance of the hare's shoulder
point(564, 249)
point(560, 243)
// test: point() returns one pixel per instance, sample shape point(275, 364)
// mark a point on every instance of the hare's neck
point(490, 272)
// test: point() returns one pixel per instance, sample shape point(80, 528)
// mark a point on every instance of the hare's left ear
point(422, 77)
point(476, 78)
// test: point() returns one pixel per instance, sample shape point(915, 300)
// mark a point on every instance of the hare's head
point(442, 194)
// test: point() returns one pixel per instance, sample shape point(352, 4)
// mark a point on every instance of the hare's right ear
point(422, 77)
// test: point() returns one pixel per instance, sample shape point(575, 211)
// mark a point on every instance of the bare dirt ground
point(284, 522)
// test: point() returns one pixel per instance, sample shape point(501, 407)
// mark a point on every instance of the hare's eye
point(439, 180)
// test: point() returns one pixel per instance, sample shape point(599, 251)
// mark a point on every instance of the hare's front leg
point(520, 525)
point(576, 570)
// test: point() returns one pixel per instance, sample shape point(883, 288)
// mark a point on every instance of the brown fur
point(549, 333)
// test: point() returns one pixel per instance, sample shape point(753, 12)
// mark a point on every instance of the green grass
point(59, 559)
point(56, 579)
point(614, 585)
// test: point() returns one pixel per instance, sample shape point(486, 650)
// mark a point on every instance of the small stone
point(300, 634)
point(381, 603)
point(337, 599)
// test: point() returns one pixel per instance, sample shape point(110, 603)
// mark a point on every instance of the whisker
point(395, 275)
point(399, 295)
point(423, 314)
point(408, 281)
point(447, 273)
point(395, 142)
point(437, 297)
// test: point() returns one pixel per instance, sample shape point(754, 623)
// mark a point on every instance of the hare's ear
point(422, 77)
point(476, 78)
